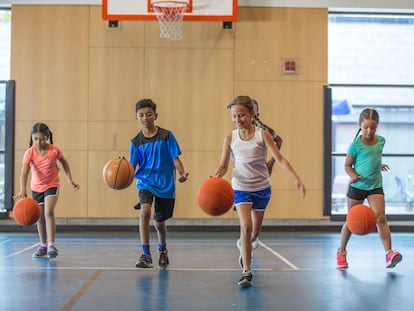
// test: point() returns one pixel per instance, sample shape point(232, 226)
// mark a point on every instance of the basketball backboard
point(214, 10)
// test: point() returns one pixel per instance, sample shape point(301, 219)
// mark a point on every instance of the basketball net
point(170, 16)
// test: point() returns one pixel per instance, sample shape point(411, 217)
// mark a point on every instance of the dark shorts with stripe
point(360, 195)
point(164, 208)
point(40, 196)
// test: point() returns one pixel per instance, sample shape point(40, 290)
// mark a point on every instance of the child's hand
point(355, 179)
point(301, 187)
point(75, 186)
point(19, 196)
point(183, 178)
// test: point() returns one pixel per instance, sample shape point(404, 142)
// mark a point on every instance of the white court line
point(289, 263)
point(130, 269)
point(21, 251)
point(5, 241)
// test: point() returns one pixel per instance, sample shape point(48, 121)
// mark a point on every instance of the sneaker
point(145, 261)
point(163, 261)
point(246, 279)
point(52, 252)
point(255, 243)
point(392, 258)
point(137, 206)
point(41, 252)
point(341, 262)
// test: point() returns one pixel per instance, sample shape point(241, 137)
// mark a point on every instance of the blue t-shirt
point(154, 157)
point(367, 163)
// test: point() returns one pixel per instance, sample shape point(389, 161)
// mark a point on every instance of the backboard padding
point(214, 10)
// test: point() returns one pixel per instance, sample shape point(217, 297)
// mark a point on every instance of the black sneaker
point(246, 279)
point(163, 261)
point(137, 206)
point(145, 261)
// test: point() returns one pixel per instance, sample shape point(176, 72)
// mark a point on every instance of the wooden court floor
point(293, 271)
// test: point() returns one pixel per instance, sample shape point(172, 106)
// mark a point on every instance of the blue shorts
point(258, 199)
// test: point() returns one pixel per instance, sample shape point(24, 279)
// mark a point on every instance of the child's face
point(146, 117)
point(368, 128)
point(39, 140)
point(241, 116)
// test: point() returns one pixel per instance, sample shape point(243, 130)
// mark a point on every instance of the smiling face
point(241, 116)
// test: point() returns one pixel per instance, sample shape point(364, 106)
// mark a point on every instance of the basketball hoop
point(170, 15)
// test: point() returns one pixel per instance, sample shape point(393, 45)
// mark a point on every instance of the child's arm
point(24, 175)
point(283, 163)
point(349, 169)
point(180, 168)
point(68, 174)
point(225, 158)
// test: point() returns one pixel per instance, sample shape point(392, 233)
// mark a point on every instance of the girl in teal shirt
point(364, 167)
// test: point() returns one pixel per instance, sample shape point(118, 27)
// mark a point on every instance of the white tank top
point(250, 171)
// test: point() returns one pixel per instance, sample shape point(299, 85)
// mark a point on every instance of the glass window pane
point(371, 49)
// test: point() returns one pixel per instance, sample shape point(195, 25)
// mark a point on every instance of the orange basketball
point(215, 196)
point(361, 219)
point(118, 173)
point(26, 211)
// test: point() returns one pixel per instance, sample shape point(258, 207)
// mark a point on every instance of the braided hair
point(260, 124)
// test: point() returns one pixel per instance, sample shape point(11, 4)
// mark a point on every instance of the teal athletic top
point(367, 163)
point(154, 157)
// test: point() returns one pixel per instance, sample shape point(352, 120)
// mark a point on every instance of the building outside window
point(371, 65)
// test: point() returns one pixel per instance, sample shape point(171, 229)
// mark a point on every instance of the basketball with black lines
point(118, 173)
point(215, 196)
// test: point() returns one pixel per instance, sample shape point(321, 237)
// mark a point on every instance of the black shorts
point(164, 208)
point(40, 196)
point(361, 195)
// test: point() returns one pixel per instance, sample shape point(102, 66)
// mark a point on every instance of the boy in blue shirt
point(154, 152)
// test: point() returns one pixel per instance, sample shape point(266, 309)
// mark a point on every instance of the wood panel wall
point(84, 79)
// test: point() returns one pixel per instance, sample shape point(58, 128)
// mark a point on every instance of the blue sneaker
point(52, 252)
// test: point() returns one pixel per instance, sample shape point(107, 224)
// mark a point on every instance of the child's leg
point(377, 203)
point(244, 211)
point(161, 228)
point(257, 217)
point(144, 223)
point(41, 226)
point(345, 233)
point(49, 210)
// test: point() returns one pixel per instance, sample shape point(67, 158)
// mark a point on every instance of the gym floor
point(293, 271)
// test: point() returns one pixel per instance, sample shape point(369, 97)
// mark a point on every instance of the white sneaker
point(255, 243)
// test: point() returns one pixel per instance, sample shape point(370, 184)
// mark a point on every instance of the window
point(371, 64)
point(5, 38)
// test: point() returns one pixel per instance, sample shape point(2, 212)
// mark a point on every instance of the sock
point(162, 248)
point(146, 250)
